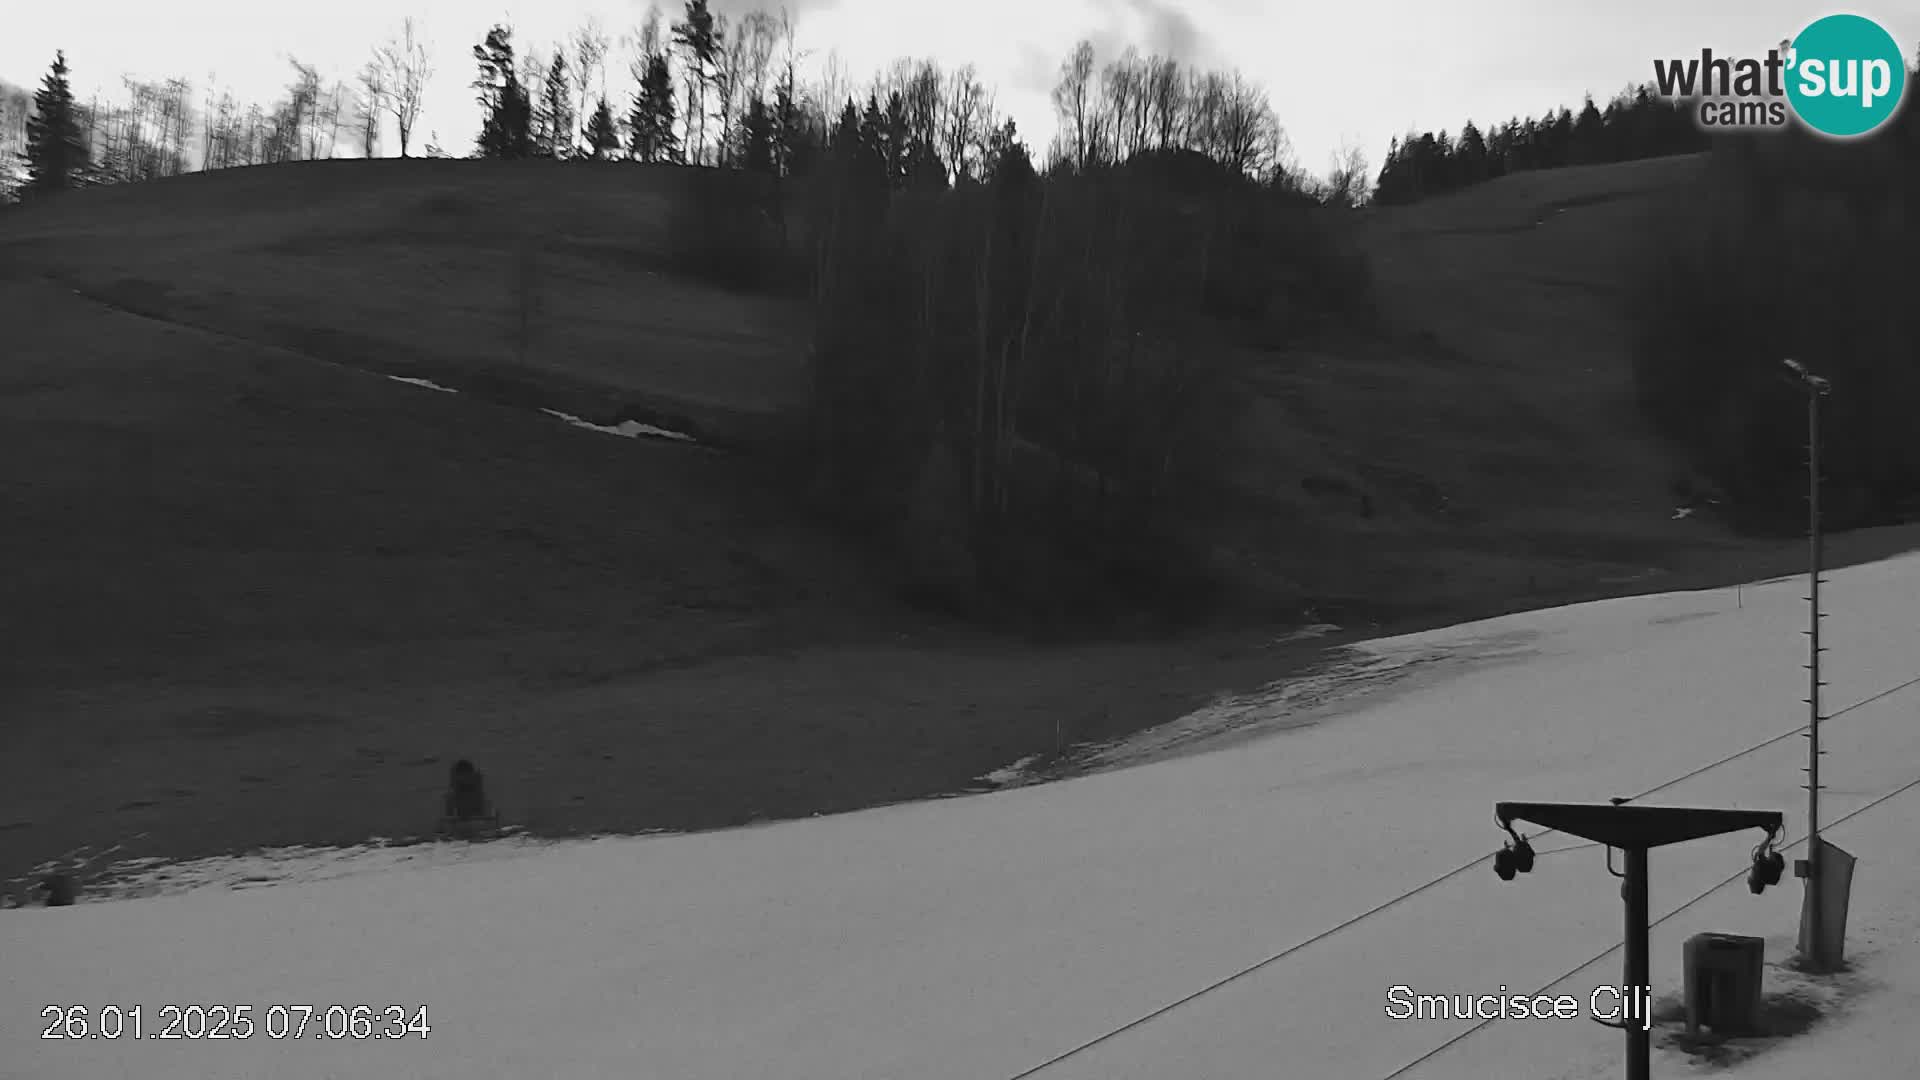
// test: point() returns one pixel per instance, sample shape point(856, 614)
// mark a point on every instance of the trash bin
point(1723, 973)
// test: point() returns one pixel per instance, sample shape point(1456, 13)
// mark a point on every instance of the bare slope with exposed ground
point(1502, 427)
point(258, 594)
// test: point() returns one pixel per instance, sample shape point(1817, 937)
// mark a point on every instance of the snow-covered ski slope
point(978, 938)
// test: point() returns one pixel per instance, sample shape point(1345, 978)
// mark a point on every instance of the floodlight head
point(1514, 857)
point(1768, 864)
point(1775, 866)
point(1813, 382)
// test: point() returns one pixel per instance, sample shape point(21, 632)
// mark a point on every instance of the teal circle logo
point(1845, 75)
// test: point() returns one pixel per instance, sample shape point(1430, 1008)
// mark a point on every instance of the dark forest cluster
point(1636, 124)
point(1025, 384)
point(718, 92)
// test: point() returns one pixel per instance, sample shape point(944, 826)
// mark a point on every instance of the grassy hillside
point(1493, 430)
point(255, 598)
point(257, 593)
point(419, 267)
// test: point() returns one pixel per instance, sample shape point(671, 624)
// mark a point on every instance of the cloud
point(734, 9)
point(1170, 31)
point(1155, 27)
point(1033, 69)
point(1037, 70)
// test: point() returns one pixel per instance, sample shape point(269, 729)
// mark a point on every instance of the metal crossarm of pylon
point(1635, 830)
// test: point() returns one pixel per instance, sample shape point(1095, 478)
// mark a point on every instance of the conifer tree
point(507, 130)
point(758, 154)
point(650, 131)
point(553, 118)
point(1589, 136)
point(603, 138)
point(700, 44)
point(56, 155)
point(791, 133)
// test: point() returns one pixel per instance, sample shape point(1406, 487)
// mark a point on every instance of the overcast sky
point(1337, 70)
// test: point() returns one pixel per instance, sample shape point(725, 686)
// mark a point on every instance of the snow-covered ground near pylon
point(980, 937)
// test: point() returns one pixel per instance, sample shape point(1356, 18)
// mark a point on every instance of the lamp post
point(1812, 951)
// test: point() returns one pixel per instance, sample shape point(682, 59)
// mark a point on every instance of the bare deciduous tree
point(259, 137)
point(331, 111)
point(176, 116)
point(371, 106)
point(15, 106)
point(590, 44)
point(1248, 133)
point(1127, 93)
point(1073, 103)
point(208, 124)
point(1206, 100)
point(644, 39)
point(1166, 101)
point(729, 84)
point(297, 134)
point(224, 134)
point(834, 87)
point(962, 120)
point(920, 86)
point(760, 35)
point(744, 52)
point(1347, 178)
point(405, 68)
point(146, 138)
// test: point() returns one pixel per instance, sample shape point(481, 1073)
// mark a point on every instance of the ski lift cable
point(1610, 950)
point(1449, 875)
point(1586, 844)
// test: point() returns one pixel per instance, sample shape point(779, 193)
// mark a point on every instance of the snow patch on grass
point(626, 429)
point(426, 383)
point(130, 879)
point(1010, 775)
point(1300, 702)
